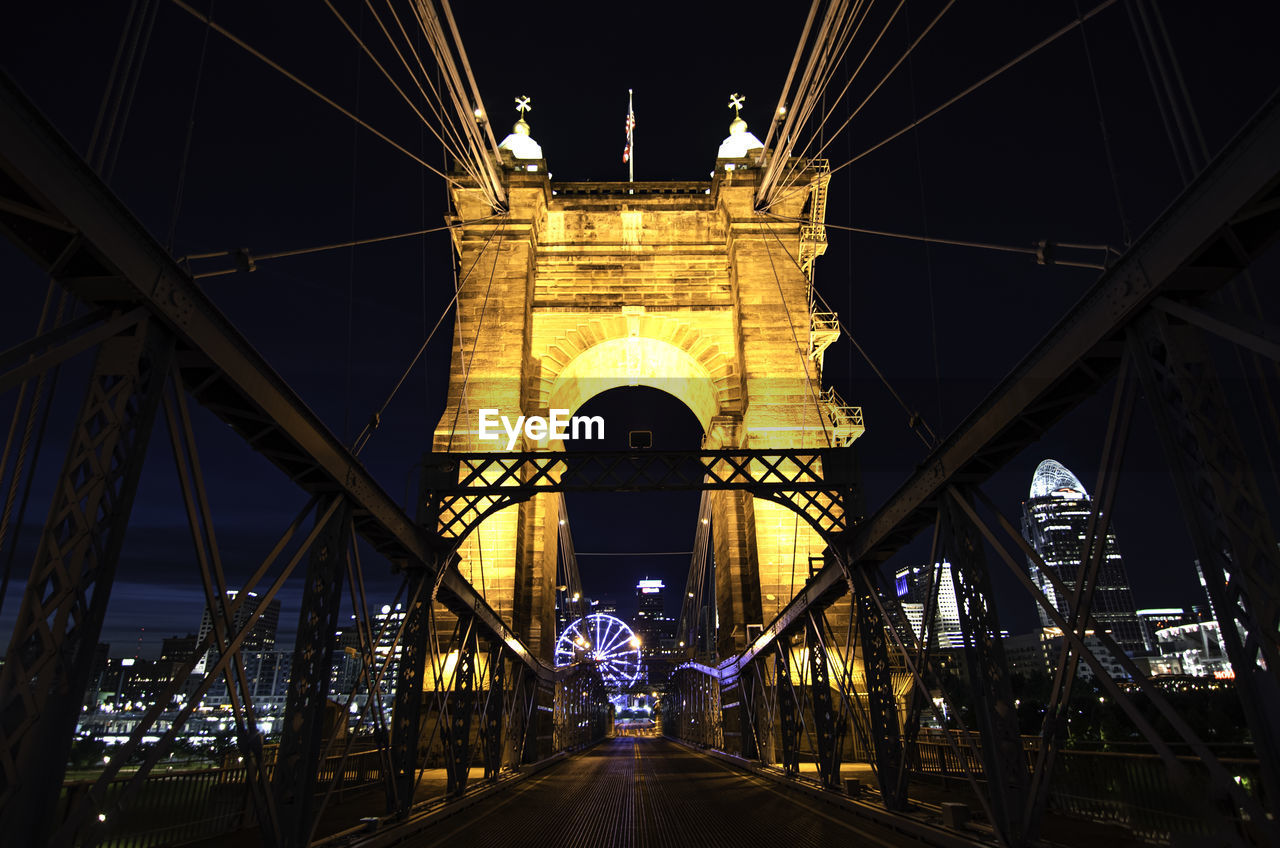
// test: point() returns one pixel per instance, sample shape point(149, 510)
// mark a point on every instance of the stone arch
point(637, 349)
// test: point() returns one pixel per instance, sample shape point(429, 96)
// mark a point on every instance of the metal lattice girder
point(1222, 222)
point(1229, 524)
point(461, 489)
point(455, 725)
point(1003, 760)
point(824, 714)
point(788, 718)
point(217, 601)
point(882, 707)
point(491, 730)
point(56, 210)
point(406, 714)
point(294, 782)
point(60, 619)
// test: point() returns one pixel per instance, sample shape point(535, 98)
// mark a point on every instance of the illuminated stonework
point(681, 286)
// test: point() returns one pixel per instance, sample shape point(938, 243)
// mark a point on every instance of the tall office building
point(263, 635)
point(1055, 520)
point(656, 630)
point(914, 586)
point(262, 638)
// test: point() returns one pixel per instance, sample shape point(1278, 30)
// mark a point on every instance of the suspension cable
point(913, 417)
point(186, 144)
point(248, 261)
point(804, 358)
point(484, 308)
point(470, 121)
point(437, 105)
point(1106, 136)
point(390, 79)
point(375, 420)
point(1043, 252)
point(866, 57)
point(275, 66)
point(766, 198)
point(980, 83)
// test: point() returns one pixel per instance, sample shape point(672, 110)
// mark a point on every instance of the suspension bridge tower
point(681, 286)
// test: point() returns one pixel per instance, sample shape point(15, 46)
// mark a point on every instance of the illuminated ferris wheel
point(607, 641)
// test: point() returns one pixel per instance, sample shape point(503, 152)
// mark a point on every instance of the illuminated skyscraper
point(914, 589)
point(1055, 519)
point(656, 630)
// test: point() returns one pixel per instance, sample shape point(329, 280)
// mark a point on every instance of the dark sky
point(272, 168)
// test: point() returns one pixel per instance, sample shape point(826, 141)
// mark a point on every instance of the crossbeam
point(460, 490)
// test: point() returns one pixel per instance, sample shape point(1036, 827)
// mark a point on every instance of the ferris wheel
point(607, 641)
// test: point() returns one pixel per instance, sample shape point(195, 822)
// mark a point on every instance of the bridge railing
point(173, 807)
point(1132, 789)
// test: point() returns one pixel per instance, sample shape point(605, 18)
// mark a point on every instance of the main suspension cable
point(277, 67)
point(390, 79)
point(1026, 54)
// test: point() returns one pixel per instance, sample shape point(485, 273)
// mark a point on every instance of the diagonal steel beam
point(60, 618)
point(1222, 222)
point(104, 257)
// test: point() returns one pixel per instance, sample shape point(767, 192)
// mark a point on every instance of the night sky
point(272, 168)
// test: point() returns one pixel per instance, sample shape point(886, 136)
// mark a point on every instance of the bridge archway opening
point(625, 537)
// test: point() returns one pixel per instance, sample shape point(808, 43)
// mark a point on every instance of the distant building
point(267, 673)
point(263, 635)
point(914, 587)
point(179, 649)
point(1055, 521)
point(128, 683)
point(1197, 646)
point(657, 631)
point(1158, 619)
point(1038, 653)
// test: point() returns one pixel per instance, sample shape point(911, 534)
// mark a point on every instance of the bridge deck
point(650, 792)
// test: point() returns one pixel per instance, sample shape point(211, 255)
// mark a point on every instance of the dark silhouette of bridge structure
point(484, 736)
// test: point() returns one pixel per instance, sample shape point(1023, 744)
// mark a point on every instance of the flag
point(631, 126)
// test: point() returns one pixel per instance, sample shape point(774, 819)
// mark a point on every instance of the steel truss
point(152, 324)
point(1149, 307)
point(460, 490)
point(146, 313)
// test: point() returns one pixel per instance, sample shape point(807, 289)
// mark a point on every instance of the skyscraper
point(261, 638)
point(914, 588)
point(1055, 520)
point(656, 630)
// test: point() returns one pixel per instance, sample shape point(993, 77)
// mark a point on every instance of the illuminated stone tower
point(681, 286)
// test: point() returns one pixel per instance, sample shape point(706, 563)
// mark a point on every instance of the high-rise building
point(263, 635)
point(914, 585)
point(656, 630)
point(1055, 520)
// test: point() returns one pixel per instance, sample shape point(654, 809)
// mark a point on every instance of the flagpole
point(631, 160)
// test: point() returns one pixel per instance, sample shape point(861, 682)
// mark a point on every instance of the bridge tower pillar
point(683, 286)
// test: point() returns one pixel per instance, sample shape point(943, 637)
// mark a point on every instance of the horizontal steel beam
point(1219, 224)
point(57, 210)
point(461, 489)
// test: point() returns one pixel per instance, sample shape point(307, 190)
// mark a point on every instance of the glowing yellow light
point(635, 641)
